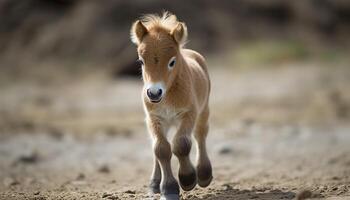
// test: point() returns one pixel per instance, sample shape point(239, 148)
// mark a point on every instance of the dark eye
point(172, 62)
point(139, 61)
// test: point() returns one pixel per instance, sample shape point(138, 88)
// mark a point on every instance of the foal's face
point(158, 57)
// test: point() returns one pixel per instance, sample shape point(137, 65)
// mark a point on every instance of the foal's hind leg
point(181, 148)
point(204, 169)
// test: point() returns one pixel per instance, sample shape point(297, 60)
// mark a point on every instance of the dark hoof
point(204, 174)
point(170, 188)
point(188, 181)
point(170, 197)
point(206, 182)
point(154, 186)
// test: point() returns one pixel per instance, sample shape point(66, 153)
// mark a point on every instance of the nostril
point(159, 92)
point(149, 93)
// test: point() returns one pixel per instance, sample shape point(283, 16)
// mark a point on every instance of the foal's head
point(159, 40)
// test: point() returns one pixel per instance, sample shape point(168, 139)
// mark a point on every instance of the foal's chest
point(169, 114)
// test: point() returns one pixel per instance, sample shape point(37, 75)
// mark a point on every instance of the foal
point(176, 92)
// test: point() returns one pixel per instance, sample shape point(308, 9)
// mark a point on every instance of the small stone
point(104, 169)
point(227, 187)
point(104, 195)
point(31, 158)
point(305, 194)
point(36, 192)
point(225, 150)
point(335, 178)
point(80, 176)
point(263, 189)
point(130, 192)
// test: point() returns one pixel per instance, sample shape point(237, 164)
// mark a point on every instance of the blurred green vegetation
point(266, 52)
point(275, 53)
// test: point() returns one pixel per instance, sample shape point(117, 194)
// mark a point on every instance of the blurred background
point(74, 37)
point(44, 42)
point(70, 93)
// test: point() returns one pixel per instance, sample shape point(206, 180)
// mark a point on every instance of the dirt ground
point(276, 133)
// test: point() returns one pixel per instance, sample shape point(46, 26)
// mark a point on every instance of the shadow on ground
point(246, 194)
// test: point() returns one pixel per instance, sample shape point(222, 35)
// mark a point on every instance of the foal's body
point(175, 95)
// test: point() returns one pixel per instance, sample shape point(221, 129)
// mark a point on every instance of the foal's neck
point(183, 72)
point(182, 60)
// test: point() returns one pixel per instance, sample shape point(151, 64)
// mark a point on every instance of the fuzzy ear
point(137, 32)
point(180, 33)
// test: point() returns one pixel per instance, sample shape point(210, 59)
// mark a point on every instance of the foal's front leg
point(181, 148)
point(162, 151)
point(156, 177)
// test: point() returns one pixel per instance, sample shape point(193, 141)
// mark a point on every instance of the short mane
point(154, 23)
point(167, 21)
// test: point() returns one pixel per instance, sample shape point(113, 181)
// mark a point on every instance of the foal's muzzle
point(155, 91)
point(155, 95)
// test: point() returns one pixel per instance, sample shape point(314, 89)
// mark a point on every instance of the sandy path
point(268, 140)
